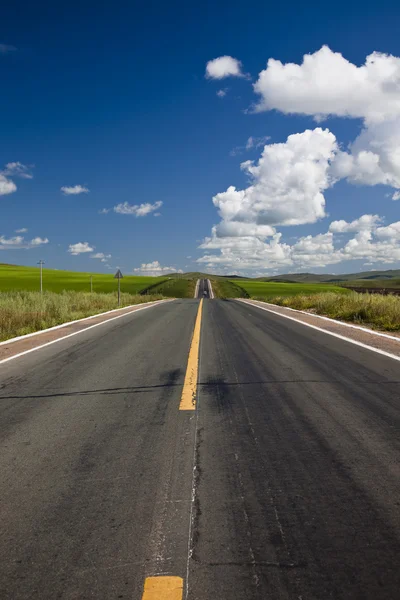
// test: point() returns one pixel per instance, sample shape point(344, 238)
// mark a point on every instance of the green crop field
point(270, 289)
point(174, 288)
point(28, 279)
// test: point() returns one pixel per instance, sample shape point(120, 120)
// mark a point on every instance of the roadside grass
point(270, 289)
point(14, 277)
point(374, 310)
point(224, 288)
point(173, 288)
point(23, 312)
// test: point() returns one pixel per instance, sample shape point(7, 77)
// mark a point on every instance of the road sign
point(118, 275)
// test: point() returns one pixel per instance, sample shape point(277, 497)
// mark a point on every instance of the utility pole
point(41, 263)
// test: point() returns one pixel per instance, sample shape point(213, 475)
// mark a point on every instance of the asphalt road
point(203, 291)
point(282, 484)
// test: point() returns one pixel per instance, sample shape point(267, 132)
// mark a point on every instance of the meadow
point(28, 278)
point(174, 288)
point(270, 289)
point(23, 312)
point(374, 310)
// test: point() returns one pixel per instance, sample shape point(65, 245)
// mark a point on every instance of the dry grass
point(381, 312)
point(25, 312)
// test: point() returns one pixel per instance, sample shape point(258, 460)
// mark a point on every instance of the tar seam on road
point(65, 337)
point(336, 335)
point(163, 588)
point(189, 392)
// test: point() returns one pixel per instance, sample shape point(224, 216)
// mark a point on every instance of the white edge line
point(304, 312)
point(64, 337)
point(337, 335)
point(28, 335)
point(210, 289)
point(196, 289)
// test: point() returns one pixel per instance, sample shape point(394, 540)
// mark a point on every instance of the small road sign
point(118, 275)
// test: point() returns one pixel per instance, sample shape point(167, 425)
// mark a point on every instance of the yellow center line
point(163, 588)
point(189, 392)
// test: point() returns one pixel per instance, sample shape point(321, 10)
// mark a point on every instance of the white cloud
point(396, 196)
point(23, 230)
point(6, 49)
point(287, 183)
point(20, 243)
point(137, 210)
point(74, 190)
point(79, 248)
point(155, 268)
point(17, 169)
point(104, 211)
point(222, 93)
point(6, 186)
point(366, 222)
point(224, 66)
point(101, 256)
point(328, 84)
point(38, 241)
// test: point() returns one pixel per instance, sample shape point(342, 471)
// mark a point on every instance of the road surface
point(283, 483)
point(203, 289)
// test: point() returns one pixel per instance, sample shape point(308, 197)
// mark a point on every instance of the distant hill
point(338, 278)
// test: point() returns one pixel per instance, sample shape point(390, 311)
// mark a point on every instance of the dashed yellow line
point(163, 588)
point(189, 392)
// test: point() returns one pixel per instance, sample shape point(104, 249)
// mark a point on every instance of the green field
point(174, 288)
point(271, 289)
point(28, 279)
point(223, 288)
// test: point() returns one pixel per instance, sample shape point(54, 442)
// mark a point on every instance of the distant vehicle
point(205, 293)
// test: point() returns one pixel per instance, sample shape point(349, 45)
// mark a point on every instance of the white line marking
point(210, 289)
point(304, 312)
point(156, 303)
point(196, 289)
point(337, 335)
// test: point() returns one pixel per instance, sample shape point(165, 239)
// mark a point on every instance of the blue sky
point(113, 97)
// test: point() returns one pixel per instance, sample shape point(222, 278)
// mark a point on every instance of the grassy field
point(224, 288)
point(174, 288)
point(375, 310)
point(271, 289)
point(28, 278)
point(23, 312)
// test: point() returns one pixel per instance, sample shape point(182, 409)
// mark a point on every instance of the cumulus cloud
point(224, 66)
point(6, 186)
point(155, 268)
point(371, 242)
point(79, 248)
point(18, 242)
point(222, 93)
point(326, 84)
point(74, 190)
point(137, 210)
point(396, 196)
point(104, 211)
point(287, 183)
point(17, 169)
